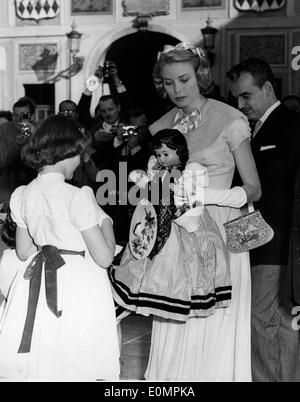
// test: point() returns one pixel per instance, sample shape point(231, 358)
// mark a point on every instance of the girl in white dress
point(59, 323)
point(10, 264)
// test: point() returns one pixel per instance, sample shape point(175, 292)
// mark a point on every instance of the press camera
point(25, 126)
point(129, 130)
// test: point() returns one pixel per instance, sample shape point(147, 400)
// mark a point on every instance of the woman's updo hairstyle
point(187, 53)
point(56, 139)
point(157, 81)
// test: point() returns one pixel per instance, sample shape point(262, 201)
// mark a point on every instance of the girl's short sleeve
point(237, 132)
point(84, 210)
point(16, 206)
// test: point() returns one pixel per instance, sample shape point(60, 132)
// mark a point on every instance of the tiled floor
point(136, 335)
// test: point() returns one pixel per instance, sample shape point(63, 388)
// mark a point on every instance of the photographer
point(13, 135)
point(68, 108)
point(105, 76)
point(133, 142)
point(103, 134)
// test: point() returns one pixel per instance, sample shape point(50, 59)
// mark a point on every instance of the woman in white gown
point(59, 321)
point(216, 348)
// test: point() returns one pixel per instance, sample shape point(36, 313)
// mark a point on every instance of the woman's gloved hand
point(235, 197)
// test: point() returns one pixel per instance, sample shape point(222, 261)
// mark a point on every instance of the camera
point(25, 116)
point(25, 126)
point(92, 83)
point(129, 130)
point(108, 68)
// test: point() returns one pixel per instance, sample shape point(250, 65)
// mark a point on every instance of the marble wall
point(103, 22)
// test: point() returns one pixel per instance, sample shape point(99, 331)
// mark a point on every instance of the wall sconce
point(75, 63)
point(74, 38)
point(209, 34)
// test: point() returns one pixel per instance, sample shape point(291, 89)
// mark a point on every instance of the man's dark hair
point(105, 98)
point(136, 113)
point(25, 101)
point(258, 68)
point(67, 101)
point(6, 114)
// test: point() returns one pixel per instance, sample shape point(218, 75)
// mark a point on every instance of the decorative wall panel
point(37, 9)
point(87, 7)
point(202, 4)
point(272, 48)
point(150, 7)
point(38, 57)
point(259, 5)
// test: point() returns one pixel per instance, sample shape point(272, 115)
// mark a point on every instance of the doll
point(187, 272)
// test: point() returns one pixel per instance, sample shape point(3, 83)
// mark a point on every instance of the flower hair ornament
point(182, 46)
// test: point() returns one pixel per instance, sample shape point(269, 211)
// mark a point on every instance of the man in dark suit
point(276, 150)
point(115, 88)
point(12, 171)
point(104, 133)
point(294, 254)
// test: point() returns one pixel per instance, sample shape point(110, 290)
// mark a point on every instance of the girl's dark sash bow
point(49, 257)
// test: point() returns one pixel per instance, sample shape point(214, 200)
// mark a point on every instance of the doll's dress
point(187, 277)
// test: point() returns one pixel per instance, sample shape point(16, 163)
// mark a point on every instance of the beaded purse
point(247, 232)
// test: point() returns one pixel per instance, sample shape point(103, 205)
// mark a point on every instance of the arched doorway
point(135, 55)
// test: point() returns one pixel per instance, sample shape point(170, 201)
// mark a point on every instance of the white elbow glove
point(235, 197)
point(139, 178)
point(190, 187)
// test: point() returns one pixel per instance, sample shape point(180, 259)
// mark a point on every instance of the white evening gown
point(216, 348)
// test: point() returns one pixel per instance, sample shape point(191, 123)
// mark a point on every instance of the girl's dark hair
point(8, 231)
point(56, 139)
point(173, 139)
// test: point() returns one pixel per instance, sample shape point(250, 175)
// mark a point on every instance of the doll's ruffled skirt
point(190, 277)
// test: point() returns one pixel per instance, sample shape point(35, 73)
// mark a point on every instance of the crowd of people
point(217, 315)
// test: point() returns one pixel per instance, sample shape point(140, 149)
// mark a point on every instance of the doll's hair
point(56, 139)
point(8, 231)
point(192, 54)
point(173, 139)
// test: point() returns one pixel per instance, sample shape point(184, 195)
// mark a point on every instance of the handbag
point(247, 232)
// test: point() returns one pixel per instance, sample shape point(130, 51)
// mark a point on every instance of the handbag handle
point(250, 207)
